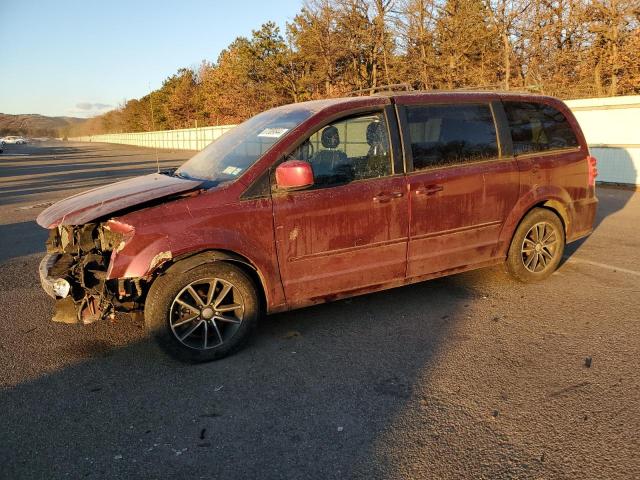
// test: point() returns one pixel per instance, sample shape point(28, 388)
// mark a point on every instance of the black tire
point(165, 304)
point(543, 256)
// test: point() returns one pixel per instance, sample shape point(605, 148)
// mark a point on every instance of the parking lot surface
point(469, 376)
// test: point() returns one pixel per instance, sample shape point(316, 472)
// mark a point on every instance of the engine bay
point(75, 272)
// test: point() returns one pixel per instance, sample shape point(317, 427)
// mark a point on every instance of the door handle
point(382, 198)
point(430, 190)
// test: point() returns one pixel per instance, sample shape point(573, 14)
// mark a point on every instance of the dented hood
point(98, 202)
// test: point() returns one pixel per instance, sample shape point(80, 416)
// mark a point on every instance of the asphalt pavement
point(469, 376)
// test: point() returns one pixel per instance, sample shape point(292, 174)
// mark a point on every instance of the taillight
point(593, 170)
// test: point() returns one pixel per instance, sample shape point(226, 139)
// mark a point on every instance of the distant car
point(14, 140)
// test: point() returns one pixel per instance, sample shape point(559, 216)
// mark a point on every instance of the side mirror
point(294, 174)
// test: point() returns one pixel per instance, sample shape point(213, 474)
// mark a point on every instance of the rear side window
point(536, 127)
point(444, 135)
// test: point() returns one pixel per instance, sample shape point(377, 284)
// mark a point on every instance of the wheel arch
point(189, 261)
point(558, 208)
point(551, 203)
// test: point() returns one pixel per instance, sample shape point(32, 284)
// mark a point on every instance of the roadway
point(470, 376)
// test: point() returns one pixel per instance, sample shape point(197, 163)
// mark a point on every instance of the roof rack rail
point(492, 86)
point(499, 86)
point(406, 87)
point(383, 88)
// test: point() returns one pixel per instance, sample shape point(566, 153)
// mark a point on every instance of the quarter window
point(536, 127)
point(444, 135)
point(355, 148)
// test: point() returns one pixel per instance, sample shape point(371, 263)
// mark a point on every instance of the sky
point(82, 58)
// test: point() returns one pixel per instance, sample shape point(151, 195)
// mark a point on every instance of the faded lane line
point(602, 265)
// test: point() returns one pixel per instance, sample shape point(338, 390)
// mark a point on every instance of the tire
point(537, 246)
point(172, 311)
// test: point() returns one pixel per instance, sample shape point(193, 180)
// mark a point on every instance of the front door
point(461, 187)
point(349, 230)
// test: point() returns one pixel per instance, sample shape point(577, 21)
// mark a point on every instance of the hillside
point(34, 125)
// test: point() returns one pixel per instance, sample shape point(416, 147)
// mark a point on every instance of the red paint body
point(310, 246)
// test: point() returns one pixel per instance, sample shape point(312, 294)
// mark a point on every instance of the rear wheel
point(203, 314)
point(537, 246)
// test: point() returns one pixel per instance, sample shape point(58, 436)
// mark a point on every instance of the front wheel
point(537, 246)
point(203, 314)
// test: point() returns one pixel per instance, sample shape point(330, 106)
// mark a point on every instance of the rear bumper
point(584, 216)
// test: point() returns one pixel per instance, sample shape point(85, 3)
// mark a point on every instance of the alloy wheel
point(206, 313)
point(539, 247)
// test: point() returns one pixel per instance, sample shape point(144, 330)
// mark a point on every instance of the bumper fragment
point(54, 286)
point(65, 311)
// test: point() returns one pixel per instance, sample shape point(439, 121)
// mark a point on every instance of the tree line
point(565, 48)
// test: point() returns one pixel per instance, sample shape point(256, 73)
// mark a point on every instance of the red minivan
point(321, 200)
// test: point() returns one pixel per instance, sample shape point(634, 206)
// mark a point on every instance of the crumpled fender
point(139, 257)
point(143, 254)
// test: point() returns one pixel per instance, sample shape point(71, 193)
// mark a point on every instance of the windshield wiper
point(171, 172)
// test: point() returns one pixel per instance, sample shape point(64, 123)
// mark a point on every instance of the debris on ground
point(291, 334)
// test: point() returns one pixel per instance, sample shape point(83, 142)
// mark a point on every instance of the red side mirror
point(294, 174)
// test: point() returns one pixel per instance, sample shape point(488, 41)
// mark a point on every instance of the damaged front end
point(75, 272)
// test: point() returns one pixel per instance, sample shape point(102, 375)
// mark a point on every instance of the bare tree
point(504, 16)
point(415, 25)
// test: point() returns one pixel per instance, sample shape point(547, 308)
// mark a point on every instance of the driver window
point(351, 149)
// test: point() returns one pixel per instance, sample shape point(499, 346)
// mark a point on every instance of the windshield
point(235, 151)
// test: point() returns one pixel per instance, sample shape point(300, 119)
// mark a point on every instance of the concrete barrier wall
point(185, 139)
point(618, 164)
point(611, 126)
point(612, 129)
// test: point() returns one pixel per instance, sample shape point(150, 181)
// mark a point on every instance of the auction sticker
point(273, 132)
point(232, 170)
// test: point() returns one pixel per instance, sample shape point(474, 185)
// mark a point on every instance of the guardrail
point(611, 127)
point(609, 124)
point(184, 139)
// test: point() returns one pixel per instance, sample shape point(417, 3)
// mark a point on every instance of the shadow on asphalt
point(20, 239)
point(308, 398)
point(613, 204)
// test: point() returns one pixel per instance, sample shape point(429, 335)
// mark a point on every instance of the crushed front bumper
point(85, 309)
point(48, 282)
point(74, 272)
point(65, 306)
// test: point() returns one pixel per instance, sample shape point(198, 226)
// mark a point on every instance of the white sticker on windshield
point(273, 132)
point(232, 170)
